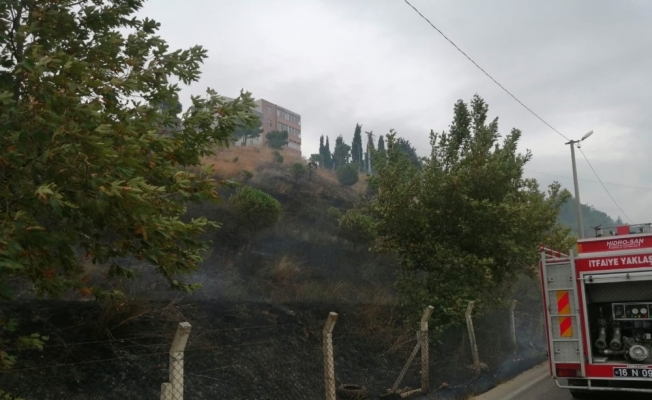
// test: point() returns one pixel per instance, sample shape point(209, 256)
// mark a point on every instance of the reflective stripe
point(563, 308)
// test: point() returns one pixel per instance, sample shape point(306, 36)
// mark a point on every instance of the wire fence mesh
point(288, 357)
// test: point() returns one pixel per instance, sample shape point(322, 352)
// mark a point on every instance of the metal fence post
point(512, 324)
point(329, 364)
point(425, 356)
point(174, 389)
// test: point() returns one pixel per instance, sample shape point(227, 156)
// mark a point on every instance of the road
point(536, 384)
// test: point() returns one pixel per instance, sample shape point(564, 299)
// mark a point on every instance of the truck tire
point(352, 392)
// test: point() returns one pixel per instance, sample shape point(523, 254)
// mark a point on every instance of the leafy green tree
point(356, 227)
point(381, 144)
point(356, 145)
point(341, 153)
point(245, 132)
point(406, 147)
point(254, 209)
point(467, 223)
point(277, 139)
point(347, 174)
point(328, 157)
point(298, 171)
point(81, 168)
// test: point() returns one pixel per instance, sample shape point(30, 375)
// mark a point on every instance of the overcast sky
point(581, 65)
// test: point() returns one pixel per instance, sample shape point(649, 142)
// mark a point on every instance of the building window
point(269, 109)
point(270, 123)
point(290, 130)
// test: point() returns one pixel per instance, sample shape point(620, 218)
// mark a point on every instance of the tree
point(298, 171)
point(381, 144)
point(347, 174)
point(369, 153)
point(254, 210)
point(328, 159)
point(81, 169)
point(467, 223)
point(245, 132)
point(356, 227)
point(277, 157)
point(356, 145)
point(406, 147)
point(341, 153)
point(277, 139)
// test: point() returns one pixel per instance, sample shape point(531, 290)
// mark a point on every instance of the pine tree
point(356, 146)
point(322, 149)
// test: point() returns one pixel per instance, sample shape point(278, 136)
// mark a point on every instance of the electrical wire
point(589, 180)
point(485, 72)
point(514, 97)
point(605, 188)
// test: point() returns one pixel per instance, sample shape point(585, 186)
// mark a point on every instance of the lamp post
point(580, 224)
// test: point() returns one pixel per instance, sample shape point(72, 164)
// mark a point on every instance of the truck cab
point(597, 306)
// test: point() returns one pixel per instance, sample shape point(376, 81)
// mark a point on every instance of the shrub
point(347, 174)
point(246, 175)
point(334, 212)
point(356, 227)
point(254, 210)
point(278, 158)
point(298, 171)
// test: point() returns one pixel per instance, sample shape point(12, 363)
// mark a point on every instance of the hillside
point(591, 217)
point(257, 321)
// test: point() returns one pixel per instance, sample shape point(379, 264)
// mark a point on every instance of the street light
point(580, 225)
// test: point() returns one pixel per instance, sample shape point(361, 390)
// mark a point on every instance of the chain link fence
point(263, 352)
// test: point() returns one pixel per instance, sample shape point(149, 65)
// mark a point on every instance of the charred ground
point(257, 322)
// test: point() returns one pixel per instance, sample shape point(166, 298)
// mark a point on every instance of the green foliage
point(325, 152)
point(298, 171)
point(347, 174)
point(334, 213)
point(246, 130)
point(590, 218)
point(254, 209)
point(341, 153)
point(406, 147)
point(317, 159)
point(277, 157)
point(82, 163)
point(356, 145)
point(277, 139)
point(356, 227)
point(466, 223)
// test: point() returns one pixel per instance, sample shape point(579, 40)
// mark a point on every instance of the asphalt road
point(536, 384)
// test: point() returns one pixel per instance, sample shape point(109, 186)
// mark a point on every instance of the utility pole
point(580, 224)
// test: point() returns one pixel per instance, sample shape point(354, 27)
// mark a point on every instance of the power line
point(514, 97)
point(486, 73)
point(605, 188)
point(590, 180)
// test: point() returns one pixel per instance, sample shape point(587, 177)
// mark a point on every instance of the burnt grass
point(256, 330)
point(242, 351)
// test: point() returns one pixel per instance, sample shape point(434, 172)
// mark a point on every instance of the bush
point(347, 174)
point(334, 212)
point(278, 158)
point(254, 210)
point(357, 228)
point(298, 171)
point(246, 175)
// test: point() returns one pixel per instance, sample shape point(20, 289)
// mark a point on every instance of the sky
point(580, 65)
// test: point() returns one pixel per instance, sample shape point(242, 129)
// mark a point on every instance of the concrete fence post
point(425, 355)
point(329, 363)
point(474, 345)
point(173, 390)
point(512, 324)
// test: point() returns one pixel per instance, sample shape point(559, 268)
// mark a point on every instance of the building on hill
point(276, 118)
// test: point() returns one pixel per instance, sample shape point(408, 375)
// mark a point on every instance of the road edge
point(524, 381)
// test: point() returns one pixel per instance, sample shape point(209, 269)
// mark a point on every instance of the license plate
point(633, 373)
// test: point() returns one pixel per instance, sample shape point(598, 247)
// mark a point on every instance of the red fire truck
point(597, 307)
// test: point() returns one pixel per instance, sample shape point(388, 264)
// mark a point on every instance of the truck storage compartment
point(619, 308)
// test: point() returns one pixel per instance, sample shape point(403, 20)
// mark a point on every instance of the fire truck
point(597, 307)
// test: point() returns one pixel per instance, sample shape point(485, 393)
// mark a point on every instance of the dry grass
point(360, 186)
point(229, 163)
